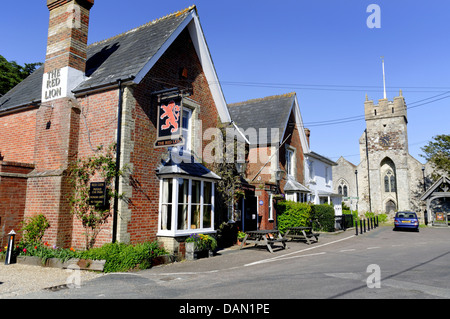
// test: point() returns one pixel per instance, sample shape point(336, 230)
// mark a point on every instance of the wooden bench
point(264, 237)
point(303, 233)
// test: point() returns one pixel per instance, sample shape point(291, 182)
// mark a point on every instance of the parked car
point(406, 220)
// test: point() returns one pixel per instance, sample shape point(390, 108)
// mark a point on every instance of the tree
point(437, 152)
point(12, 74)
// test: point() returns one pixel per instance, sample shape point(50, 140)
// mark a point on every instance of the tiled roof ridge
point(176, 14)
point(267, 98)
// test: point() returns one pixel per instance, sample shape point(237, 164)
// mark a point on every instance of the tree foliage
point(437, 152)
point(12, 73)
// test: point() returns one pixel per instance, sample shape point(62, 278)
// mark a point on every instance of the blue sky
point(322, 50)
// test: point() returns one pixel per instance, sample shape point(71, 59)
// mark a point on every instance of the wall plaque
point(97, 194)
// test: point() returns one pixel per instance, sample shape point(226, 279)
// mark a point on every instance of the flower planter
point(192, 254)
point(83, 264)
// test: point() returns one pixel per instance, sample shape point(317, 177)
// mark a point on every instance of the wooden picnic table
point(264, 237)
point(301, 233)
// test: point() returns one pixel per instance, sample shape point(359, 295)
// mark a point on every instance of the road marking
point(369, 248)
point(346, 250)
point(435, 291)
point(268, 260)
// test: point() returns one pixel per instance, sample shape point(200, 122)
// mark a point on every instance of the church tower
point(384, 156)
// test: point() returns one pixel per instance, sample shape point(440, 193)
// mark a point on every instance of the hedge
point(293, 214)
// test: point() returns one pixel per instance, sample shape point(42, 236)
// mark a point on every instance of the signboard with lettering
point(97, 194)
point(54, 84)
point(169, 128)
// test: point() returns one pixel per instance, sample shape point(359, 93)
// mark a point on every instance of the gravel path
point(18, 280)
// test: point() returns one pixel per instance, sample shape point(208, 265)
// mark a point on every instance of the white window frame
point(271, 207)
point(290, 162)
point(174, 231)
point(187, 133)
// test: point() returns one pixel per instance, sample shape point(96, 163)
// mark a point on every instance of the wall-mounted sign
point(97, 194)
point(169, 130)
point(440, 217)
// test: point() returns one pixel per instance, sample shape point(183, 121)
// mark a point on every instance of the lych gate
point(437, 198)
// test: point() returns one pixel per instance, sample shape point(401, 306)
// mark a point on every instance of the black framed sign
point(169, 124)
point(97, 194)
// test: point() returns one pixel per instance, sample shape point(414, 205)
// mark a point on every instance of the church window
point(390, 183)
point(340, 190)
point(345, 191)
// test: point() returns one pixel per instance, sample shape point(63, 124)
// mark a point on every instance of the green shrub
point(292, 214)
point(121, 257)
point(34, 228)
point(118, 256)
point(324, 215)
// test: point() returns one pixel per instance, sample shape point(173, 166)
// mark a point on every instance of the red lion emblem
point(172, 113)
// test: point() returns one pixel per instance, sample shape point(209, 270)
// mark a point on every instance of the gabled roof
point(294, 186)
point(269, 113)
point(321, 158)
point(443, 180)
point(130, 56)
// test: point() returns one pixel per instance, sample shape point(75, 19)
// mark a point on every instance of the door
point(250, 211)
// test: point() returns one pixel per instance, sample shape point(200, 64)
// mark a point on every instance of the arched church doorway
point(390, 207)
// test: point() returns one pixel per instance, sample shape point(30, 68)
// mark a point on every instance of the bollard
point(9, 251)
point(369, 223)
point(364, 223)
point(356, 227)
point(360, 226)
point(377, 222)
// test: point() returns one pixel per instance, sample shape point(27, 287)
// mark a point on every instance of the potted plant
point(240, 237)
point(198, 245)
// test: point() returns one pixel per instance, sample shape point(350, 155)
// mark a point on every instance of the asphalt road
point(380, 264)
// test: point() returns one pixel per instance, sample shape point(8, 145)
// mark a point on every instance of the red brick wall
point(13, 186)
point(165, 73)
point(17, 132)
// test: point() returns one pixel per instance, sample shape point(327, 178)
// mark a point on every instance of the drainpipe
point(118, 151)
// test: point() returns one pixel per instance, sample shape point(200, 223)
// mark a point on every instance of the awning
point(186, 166)
point(294, 186)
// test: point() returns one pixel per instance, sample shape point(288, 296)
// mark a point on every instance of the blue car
point(406, 220)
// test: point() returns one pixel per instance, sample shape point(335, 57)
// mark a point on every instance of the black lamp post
point(423, 174)
point(357, 191)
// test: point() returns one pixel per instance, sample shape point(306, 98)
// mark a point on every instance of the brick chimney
point(308, 135)
point(65, 61)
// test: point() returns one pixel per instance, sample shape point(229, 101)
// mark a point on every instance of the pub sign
point(169, 122)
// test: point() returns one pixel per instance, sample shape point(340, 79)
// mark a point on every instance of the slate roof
point(120, 57)
point(269, 112)
point(294, 186)
point(185, 165)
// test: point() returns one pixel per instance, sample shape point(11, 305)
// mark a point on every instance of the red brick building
point(277, 142)
point(105, 93)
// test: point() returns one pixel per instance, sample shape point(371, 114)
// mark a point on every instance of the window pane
point(393, 185)
point(196, 191)
point(386, 184)
point(183, 191)
point(207, 193)
point(166, 217)
point(167, 191)
point(195, 218)
point(182, 217)
point(207, 216)
point(340, 190)
point(345, 191)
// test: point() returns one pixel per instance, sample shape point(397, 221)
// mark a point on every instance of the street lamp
point(423, 174)
point(357, 192)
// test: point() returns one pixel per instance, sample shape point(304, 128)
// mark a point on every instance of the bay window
point(186, 206)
